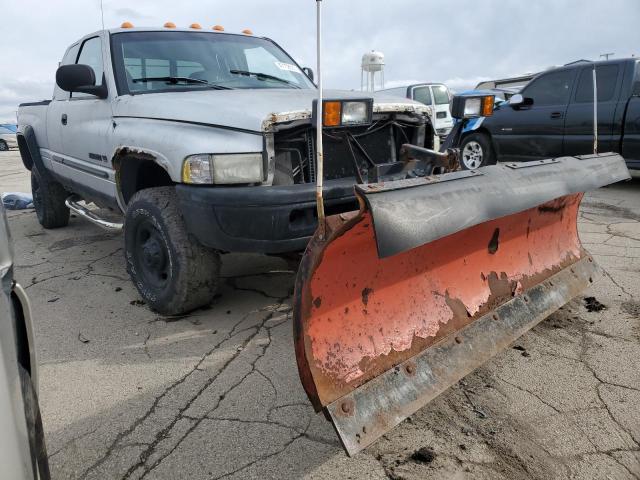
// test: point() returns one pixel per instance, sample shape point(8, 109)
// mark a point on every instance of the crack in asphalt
point(530, 393)
point(73, 440)
point(151, 410)
point(258, 328)
point(86, 270)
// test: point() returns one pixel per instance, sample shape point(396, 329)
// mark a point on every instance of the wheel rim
point(152, 257)
point(3, 146)
point(472, 155)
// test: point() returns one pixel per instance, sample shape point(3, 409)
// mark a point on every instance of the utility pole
point(606, 55)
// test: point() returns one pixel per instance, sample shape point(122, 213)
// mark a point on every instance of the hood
point(252, 110)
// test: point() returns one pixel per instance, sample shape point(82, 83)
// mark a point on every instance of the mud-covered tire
point(173, 273)
point(35, 431)
point(48, 199)
point(476, 151)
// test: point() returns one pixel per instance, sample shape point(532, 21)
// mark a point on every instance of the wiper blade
point(175, 80)
point(263, 76)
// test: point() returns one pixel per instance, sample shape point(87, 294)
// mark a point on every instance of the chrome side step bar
point(84, 212)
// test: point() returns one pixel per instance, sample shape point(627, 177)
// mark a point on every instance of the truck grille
point(344, 150)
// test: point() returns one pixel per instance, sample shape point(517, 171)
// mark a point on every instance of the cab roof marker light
point(246, 31)
point(169, 25)
point(126, 25)
point(196, 26)
point(218, 28)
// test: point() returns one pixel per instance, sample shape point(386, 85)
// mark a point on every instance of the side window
point(91, 54)
point(422, 95)
point(550, 89)
point(606, 78)
point(68, 59)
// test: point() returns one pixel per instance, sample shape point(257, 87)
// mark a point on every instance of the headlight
point(229, 168)
point(355, 113)
point(345, 113)
point(472, 106)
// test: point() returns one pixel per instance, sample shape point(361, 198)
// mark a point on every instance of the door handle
point(556, 115)
point(63, 119)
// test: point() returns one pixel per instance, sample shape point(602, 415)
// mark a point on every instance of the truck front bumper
point(273, 220)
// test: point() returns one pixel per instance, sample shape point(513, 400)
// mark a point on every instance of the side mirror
point(518, 100)
point(308, 72)
point(80, 78)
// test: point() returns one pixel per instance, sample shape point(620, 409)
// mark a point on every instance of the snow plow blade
point(432, 277)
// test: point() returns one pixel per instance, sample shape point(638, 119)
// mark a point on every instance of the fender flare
point(29, 148)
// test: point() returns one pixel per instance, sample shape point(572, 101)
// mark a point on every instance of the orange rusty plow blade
point(431, 278)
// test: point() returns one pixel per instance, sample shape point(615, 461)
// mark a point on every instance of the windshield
point(148, 62)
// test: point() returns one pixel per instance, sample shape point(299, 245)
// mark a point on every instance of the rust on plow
point(383, 323)
point(384, 402)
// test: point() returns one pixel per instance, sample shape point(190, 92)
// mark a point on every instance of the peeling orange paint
point(365, 307)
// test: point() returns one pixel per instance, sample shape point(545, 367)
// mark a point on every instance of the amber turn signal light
point(332, 113)
point(487, 105)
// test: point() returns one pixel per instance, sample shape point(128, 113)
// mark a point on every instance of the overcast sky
point(459, 42)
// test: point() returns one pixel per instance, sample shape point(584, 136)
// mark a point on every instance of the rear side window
point(91, 54)
point(606, 77)
point(422, 95)
point(550, 89)
point(440, 94)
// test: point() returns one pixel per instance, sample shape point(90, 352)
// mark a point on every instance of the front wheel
point(172, 271)
point(476, 151)
point(3, 146)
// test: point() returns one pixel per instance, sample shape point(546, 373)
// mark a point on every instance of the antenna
point(319, 119)
point(102, 14)
point(606, 55)
point(595, 111)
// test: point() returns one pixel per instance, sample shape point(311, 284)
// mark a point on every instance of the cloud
point(14, 91)
point(129, 13)
point(454, 41)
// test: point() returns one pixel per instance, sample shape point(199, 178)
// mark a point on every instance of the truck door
point(56, 107)
point(530, 132)
point(422, 94)
point(578, 135)
point(444, 121)
point(86, 130)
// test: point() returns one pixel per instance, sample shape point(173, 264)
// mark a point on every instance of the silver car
point(8, 139)
point(23, 454)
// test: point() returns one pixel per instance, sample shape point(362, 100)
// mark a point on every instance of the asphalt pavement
point(128, 394)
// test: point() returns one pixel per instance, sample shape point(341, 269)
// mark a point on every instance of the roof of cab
point(176, 29)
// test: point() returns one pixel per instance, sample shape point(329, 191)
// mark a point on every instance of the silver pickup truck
point(204, 141)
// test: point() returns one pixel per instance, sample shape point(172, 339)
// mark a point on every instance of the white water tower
point(372, 63)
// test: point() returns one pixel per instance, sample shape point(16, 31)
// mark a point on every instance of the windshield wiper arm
point(175, 80)
point(263, 76)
